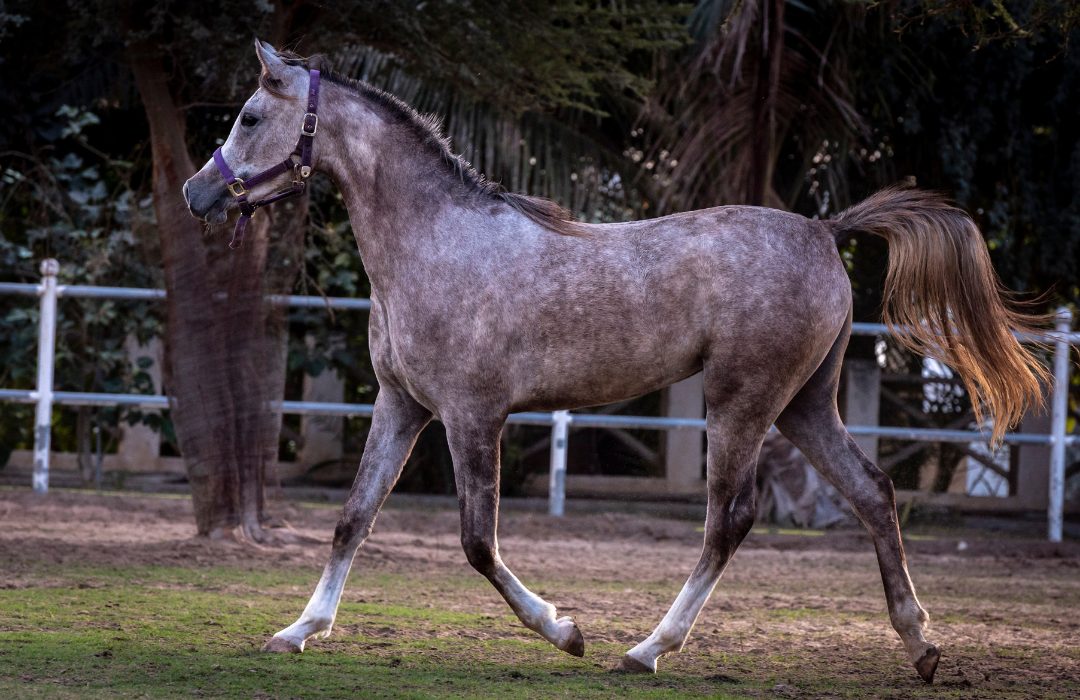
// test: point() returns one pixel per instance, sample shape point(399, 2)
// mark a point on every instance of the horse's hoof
point(631, 665)
point(278, 645)
point(574, 644)
point(927, 664)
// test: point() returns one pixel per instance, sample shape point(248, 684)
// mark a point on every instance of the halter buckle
point(236, 188)
point(310, 125)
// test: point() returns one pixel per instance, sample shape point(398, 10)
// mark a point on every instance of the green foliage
point(68, 202)
point(748, 108)
point(533, 55)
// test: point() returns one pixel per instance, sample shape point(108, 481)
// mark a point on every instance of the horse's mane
point(429, 132)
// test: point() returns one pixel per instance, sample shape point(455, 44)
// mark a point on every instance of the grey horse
point(486, 302)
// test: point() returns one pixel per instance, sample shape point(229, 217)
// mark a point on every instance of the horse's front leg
point(474, 445)
point(734, 439)
point(396, 422)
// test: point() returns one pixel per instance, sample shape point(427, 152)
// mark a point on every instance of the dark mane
point(428, 131)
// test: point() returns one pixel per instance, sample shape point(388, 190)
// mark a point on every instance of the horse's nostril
point(196, 211)
point(197, 203)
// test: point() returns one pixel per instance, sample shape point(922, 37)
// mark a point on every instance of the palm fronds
point(764, 81)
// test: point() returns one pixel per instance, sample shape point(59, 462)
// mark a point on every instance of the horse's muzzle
point(209, 202)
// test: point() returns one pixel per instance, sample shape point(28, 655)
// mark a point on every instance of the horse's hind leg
point(812, 423)
point(474, 445)
point(734, 440)
point(396, 422)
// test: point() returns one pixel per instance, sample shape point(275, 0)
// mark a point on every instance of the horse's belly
point(566, 378)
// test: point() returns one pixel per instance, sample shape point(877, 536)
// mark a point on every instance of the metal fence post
point(560, 429)
point(1058, 417)
point(46, 351)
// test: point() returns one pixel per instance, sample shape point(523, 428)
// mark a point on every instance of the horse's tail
point(944, 300)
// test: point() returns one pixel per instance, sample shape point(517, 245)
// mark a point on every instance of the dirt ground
point(796, 614)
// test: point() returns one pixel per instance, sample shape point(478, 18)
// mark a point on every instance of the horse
point(485, 302)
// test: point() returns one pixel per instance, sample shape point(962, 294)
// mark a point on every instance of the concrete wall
point(684, 450)
point(862, 400)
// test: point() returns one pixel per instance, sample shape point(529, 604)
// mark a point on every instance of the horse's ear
point(272, 65)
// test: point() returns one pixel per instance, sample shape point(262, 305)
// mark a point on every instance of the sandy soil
point(1006, 611)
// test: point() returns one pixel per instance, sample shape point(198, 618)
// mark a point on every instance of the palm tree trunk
point(223, 348)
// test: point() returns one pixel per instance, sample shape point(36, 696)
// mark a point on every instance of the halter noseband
point(301, 168)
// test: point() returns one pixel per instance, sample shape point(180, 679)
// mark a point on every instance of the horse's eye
point(249, 120)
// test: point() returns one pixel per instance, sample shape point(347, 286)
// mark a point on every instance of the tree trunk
point(224, 362)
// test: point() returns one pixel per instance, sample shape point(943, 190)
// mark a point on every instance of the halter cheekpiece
point(299, 162)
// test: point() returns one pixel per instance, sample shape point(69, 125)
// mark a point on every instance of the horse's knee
point(344, 533)
point(350, 528)
point(479, 552)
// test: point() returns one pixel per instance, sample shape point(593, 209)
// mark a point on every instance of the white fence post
point(1058, 418)
point(46, 350)
point(560, 429)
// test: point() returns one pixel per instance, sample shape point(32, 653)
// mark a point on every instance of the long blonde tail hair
point(944, 300)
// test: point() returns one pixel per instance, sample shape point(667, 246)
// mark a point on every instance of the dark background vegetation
point(617, 110)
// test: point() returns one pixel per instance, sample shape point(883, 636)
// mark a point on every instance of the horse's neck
point(393, 212)
point(407, 211)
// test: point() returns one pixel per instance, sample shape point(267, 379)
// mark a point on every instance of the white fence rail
point(45, 397)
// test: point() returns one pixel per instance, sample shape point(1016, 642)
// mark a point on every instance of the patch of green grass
point(162, 576)
point(773, 530)
point(163, 632)
point(160, 631)
point(1015, 652)
point(788, 531)
point(912, 537)
point(804, 614)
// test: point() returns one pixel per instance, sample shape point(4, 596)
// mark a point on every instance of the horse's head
point(264, 133)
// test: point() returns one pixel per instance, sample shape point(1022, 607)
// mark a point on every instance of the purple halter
point(301, 168)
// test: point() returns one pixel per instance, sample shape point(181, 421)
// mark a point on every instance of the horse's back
point(628, 308)
point(745, 266)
